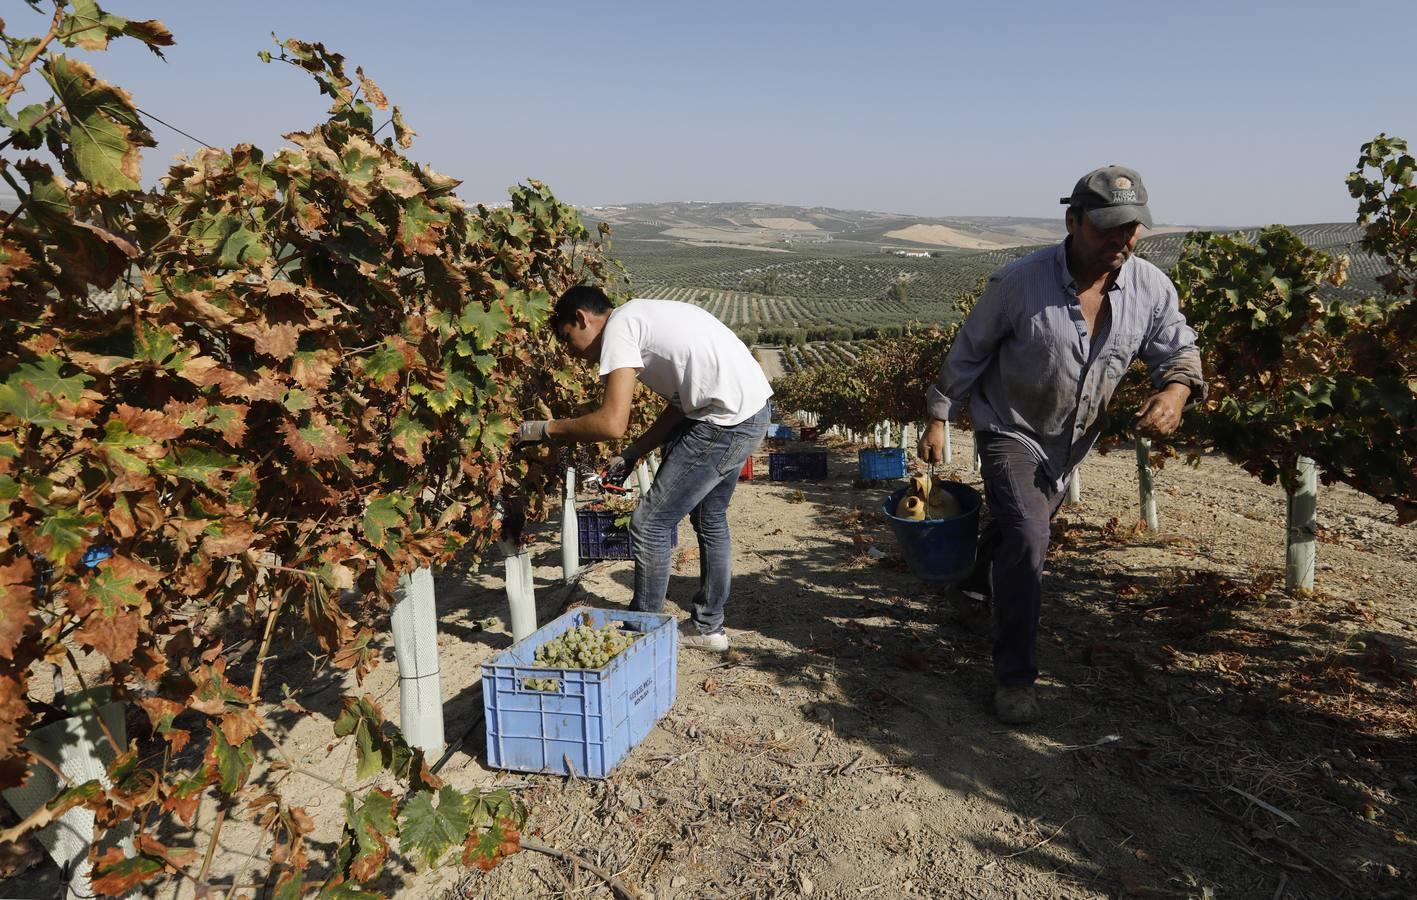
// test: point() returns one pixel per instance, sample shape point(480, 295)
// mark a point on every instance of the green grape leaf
point(104, 132)
point(427, 830)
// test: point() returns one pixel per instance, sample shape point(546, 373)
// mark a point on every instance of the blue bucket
point(939, 549)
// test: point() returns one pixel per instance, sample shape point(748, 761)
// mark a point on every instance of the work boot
point(689, 636)
point(1016, 704)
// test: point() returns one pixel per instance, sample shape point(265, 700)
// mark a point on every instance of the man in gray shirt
point(1038, 360)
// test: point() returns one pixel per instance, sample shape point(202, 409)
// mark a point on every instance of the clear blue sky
point(1234, 112)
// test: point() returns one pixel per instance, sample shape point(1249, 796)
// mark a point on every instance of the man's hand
point(532, 431)
point(932, 443)
point(617, 469)
point(1160, 414)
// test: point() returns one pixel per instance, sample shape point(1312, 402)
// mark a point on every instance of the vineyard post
point(521, 592)
point(415, 627)
point(642, 479)
point(1300, 556)
point(570, 531)
point(1075, 486)
point(83, 753)
point(1144, 484)
point(653, 461)
point(949, 442)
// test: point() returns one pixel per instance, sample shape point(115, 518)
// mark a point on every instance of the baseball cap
point(1112, 196)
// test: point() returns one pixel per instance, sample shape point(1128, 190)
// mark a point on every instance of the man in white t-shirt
point(716, 415)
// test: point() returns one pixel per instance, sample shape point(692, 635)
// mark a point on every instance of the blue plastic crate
point(800, 465)
point(597, 716)
point(881, 465)
point(598, 537)
point(780, 432)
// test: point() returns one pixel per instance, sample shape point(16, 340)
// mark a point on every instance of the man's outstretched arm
point(607, 423)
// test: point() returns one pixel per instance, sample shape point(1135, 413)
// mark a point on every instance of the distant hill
point(771, 225)
point(778, 273)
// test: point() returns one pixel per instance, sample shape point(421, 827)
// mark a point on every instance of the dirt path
point(770, 358)
point(847, 749)
point(1204, 734)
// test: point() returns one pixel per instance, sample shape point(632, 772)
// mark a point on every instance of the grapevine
point(264, 390)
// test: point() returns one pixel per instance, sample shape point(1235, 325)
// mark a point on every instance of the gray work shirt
point(1024, 358)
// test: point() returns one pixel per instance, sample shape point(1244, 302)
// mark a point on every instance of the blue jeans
point(697, 479)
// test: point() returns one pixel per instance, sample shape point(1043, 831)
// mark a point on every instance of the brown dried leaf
point(16, 603)
point(312, 370)
point(150, 423)
point(229, 420)
point(277, 340)
point(200, 370)
point(14, 714)
point(13, 258)
point(121, 518)
point(236, 535)
point(240, 724)
point(371, 91)
point(116, 874)
point(200, 308)
point(115, 636)
point(158, 707)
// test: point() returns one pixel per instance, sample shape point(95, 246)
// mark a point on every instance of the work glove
point(617, 469)
point(532, 431)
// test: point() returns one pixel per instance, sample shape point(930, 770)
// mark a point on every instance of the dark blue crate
point(598, 537)
point(597, 716)
point(881, 465)
point(799, 465)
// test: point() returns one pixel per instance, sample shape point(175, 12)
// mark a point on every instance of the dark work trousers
point(1012, 548)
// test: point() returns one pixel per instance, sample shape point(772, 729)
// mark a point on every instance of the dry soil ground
point(1204, 733)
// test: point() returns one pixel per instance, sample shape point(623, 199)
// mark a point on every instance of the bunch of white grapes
point(584, 647)
point(551, 685)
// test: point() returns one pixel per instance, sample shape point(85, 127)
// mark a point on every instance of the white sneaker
point(713, 643)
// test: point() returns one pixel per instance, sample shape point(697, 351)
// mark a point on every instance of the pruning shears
point(606, 483)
